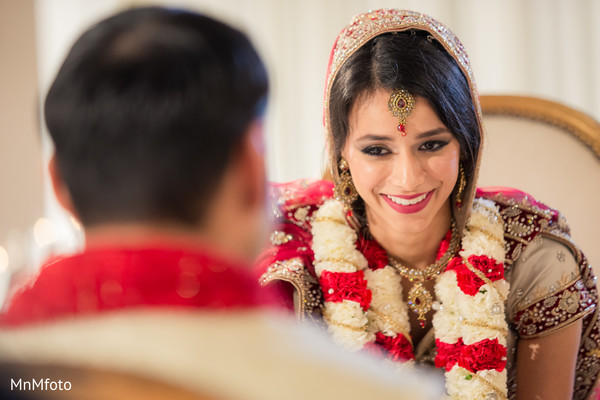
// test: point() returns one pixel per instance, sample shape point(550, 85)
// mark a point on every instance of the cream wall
point(21, 202)
point(546, 48)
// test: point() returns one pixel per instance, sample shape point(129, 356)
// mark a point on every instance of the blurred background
point(543, 48)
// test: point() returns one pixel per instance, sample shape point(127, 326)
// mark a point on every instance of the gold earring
point(462, 182)
point(344, 186)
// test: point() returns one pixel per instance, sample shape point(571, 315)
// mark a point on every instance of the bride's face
point(405, 181)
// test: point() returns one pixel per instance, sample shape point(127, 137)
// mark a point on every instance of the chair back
point(550, 151)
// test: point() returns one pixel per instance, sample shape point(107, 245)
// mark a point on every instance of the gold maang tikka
point(401, 104)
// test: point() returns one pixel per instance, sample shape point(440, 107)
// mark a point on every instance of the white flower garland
point(459, 316)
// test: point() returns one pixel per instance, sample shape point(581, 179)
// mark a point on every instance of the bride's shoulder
point(301, 194)
point(525, 218)
point(511, 201)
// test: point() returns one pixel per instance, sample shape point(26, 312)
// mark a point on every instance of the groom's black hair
point(146, 111)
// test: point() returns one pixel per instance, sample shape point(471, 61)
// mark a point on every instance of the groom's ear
point(61, 191)
point(251, 167)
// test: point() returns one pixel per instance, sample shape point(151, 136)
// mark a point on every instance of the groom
point(156, 118)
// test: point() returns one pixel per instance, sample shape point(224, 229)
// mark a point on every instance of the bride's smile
point(408, 204)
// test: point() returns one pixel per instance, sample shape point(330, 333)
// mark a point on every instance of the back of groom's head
point(146, 113)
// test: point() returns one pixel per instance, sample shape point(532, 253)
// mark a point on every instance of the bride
point(400, 254)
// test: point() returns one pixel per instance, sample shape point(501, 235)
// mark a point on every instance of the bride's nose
point(408, 173)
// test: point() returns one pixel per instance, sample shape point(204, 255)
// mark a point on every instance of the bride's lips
point(408, 204)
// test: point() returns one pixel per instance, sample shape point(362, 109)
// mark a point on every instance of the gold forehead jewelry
point(419, 298)
point(401, 104)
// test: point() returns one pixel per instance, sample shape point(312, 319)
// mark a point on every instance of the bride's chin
point(394, 223)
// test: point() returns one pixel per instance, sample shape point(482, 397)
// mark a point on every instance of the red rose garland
point(364, 307)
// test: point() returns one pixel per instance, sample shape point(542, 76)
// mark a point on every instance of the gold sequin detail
point(487, 234)
point(482, 324)
point(481, 276)
point(329, 219)
point(342, 325)
point(491, 386)
point(392, 323)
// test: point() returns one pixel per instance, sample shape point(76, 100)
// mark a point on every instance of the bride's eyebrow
point(375, 138)
point(432, 132)
point(370, 137)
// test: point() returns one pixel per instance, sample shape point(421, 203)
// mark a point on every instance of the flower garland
point(364, 306)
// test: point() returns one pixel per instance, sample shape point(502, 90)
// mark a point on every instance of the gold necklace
point(419, 298)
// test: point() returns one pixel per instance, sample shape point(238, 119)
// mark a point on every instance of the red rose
point(398, 347)
point(340, 286)
point(470, 283)
point(376, 256)
point(375, 349)
point(493, 270)
point(447, 354)
point(484, 355)
point(454, 264)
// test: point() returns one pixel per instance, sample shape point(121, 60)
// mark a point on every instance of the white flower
point(332, 209)
point(447, 326)
point(388, 311)
point(347, 322)
point(334, 243)
point(334, 266)
point(445, 288)
point(498, 379)
point(349, 339)
point(484, 224)
point(346, 312)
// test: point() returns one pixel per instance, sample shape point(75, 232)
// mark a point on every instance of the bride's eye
point(433, 145)
point(376, 151)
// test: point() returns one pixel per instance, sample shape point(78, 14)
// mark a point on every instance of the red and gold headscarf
point(367, 26)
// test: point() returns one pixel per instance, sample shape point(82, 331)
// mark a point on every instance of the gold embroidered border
point(280, 271)
point(525, 205)
point(591, 325)
point(567, 322)
point(516, 238)
point(542, 295)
